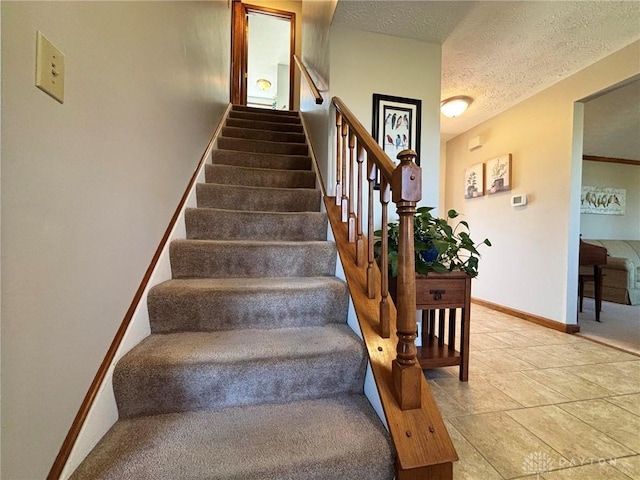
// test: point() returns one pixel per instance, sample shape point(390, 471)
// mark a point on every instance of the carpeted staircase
point(250, 371)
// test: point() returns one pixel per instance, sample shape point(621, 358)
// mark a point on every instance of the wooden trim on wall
point(545, 322)
point(237, 51)
point(625, 161)
point(87, 402)
point(240, 45)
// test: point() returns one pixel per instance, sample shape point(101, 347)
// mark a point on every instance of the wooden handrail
point(305, 73)
point(98, 380)
point(424, 448)
point(405, 183)
point(374, 151)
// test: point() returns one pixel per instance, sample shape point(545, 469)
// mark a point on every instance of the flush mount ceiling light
point(263, 84)
point(455, 106)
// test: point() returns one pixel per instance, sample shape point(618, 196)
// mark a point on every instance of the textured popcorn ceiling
point(612, 123)
point(501, 52)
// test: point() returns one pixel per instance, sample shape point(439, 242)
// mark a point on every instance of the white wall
point(316, 25)
point(616, 227)
point(532, 265)
point(89, 187)
point(364, 63)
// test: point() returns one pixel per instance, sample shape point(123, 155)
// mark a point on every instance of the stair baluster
point(351, 200)
point(338, 191)
point(385, 313)
point(344, 201)
point(359, 239)
point(372, 173)
point(421, 425)
point(403, 183)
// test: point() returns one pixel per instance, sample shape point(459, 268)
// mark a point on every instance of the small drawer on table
point(440, 293)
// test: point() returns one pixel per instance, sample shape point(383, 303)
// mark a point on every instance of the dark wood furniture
point(444, 298)
point(592, 255)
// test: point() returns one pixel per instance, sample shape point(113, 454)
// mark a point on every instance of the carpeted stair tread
point(326, 439)
point(265, 117)
point(258, 199)
point(217, 224)
point(261, 160)
point(250, 371)
point(233, 258)
point(275, 126)
point(269, 111)
point(267, 135)
point(262, 146)
point(208, 304)
point(259, 177)
point(189, 371)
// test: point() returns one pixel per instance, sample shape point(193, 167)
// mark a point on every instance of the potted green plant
point(439, 247)
point(446, 258)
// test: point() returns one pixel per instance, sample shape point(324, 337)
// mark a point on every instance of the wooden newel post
point(406, 188)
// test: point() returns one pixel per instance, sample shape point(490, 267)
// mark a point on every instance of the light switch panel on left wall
point(49, 68)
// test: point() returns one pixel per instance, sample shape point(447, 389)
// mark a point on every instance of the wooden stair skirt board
point(250, 371)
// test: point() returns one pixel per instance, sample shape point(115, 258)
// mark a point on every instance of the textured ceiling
point(501, 52)
point(612, 123)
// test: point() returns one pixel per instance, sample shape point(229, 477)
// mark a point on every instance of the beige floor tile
point(607, 354)
point(571, 386)
point(514, 362)
point(471, 465)
point(448, 406)
point(568, 435)
point(630, 466)
point(620, 378)
point(629, 402)
point(573, 355)
point(439, 373)
point(515, 339)
point(512, 324)
point(540, 357)
point(525, 390)
point(485, 326)
point(485, 341)
point(501, 361)
point(614, 421)
point(596, 471)
point(478, 368)
point(554, 337)
point(504, 443)
point(477, 396)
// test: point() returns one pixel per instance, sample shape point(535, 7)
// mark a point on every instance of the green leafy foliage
point(439, 247)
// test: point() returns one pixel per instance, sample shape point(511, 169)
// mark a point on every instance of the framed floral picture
point(498, 175)
point(474, 181)
point(396, 124)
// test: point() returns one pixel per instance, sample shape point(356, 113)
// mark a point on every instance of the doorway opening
point(263, 44)
point(608, 214)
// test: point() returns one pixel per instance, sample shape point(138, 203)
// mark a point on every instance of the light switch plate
point(49, 68)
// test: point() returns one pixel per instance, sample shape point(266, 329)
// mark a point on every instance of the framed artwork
point(498, 178)
point(474, 181)
point(603, 200)
point(396, 124)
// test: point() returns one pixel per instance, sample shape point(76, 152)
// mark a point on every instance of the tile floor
point(540, 404)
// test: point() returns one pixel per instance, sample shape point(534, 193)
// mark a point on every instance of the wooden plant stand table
point(441, 296)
